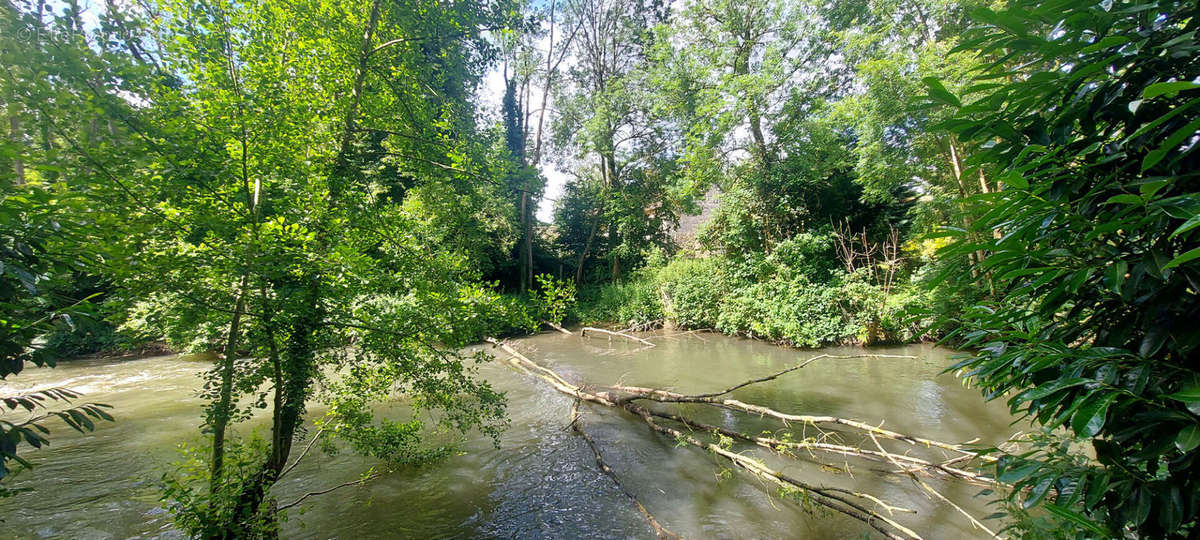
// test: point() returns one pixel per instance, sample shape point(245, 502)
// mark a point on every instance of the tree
point(738, 66)
point(46, 234)
point(1088, 113)
point(273, 182)
point(892, 46)
point(603, 116)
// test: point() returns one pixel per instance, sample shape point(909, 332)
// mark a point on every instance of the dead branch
point(794, 368)
point(586, 329)
point(577, 425)
point(910, 464)
point(360, 481)
point(838, 500)
point(664, 396)
point(926, 487)
point(302, 454)
point(559, 328)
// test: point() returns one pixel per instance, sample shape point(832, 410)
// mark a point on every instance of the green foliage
point(789, 297)
point(691, 291)
point(202, 513)
point(553, 298)
point(1088, 112)
point(794, 311)
point(634, 303)
point(89, 336)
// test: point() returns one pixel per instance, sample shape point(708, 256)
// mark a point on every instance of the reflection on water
point(542, 481)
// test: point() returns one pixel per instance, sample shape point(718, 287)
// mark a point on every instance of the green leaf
point(1149, 189)
point(1188, 439)
point(1076, 518)
point(1038, 492)
point(1170, 143)
point(1125, 198)
point(1015, 179)
point(939, 93)
point(1089, 419)
point(1050, 388)
point(1182, 259)
point(1190, 396)
point(1110, 41)
point(1187, 226)
point(1159, 89)
point(1012, 476)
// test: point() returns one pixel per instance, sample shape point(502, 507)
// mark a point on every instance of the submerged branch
point(665, 396)
point(587, 329)
point(577, 425)
point(926, 487)
point(910, 464)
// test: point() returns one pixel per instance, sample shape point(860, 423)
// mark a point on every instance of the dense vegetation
point(323, 187)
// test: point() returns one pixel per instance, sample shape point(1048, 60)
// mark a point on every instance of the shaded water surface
point(542, 481)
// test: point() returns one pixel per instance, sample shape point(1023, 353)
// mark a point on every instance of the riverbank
point(784, 304)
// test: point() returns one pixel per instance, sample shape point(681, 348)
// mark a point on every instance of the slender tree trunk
point(17, 137)
point(523, 255)
point(294, 367)
point(587, 246)
point(614, 242)
point(343, 159)
point(529, 244)
point(224, 405)
point(956, 168)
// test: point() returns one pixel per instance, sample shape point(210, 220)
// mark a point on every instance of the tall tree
point(297, 186)
point(603, 119)
point(740, 64)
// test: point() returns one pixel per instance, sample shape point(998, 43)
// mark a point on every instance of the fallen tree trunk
point(907, 464)
point(586, 329)
point(664, 396)
point(849, 503)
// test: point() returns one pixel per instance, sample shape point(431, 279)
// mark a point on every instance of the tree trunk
point(17, 137)
point(224, 405)
point(587, 246)
point(522, 264)
point(528, 244)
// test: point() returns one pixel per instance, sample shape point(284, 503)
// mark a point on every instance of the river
point(542, 482)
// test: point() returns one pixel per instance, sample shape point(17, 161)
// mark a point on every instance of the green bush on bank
point(794, 296)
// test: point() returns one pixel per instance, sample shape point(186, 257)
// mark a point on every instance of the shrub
point(553, 298)
point(810, 254)
point(691, 291)
point(635, 304)
point(1093, 249)
point(796, 312)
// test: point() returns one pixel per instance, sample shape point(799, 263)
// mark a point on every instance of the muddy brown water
point(542, 481)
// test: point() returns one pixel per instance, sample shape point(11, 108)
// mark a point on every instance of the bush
point(796, 312)
point(553, 298)
point(87, 336)
point(1092, 249)
point(633, 304)
point(808, 254)
point(691, 291)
